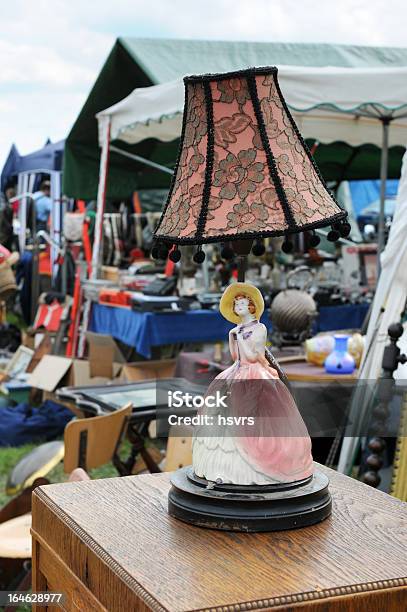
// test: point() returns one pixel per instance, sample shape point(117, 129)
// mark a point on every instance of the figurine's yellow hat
point(227, 301)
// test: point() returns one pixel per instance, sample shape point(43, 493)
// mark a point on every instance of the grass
point(10, 456)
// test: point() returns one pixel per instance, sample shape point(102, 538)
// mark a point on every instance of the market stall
point(27, 170)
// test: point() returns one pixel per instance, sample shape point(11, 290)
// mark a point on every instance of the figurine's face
point(241, 306)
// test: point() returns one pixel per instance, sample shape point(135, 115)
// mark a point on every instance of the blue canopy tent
point(365, 192)
point(10, 168)
point(45, 160)
point(50, 157)
point(27, 169)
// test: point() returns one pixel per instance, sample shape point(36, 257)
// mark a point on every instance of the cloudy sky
point(52, 50)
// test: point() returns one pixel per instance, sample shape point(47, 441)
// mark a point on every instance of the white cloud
point(52, 50)
point(45, 67)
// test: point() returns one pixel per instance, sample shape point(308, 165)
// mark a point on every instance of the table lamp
point(244, 173)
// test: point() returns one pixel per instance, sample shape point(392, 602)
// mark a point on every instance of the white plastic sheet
point(388, 305)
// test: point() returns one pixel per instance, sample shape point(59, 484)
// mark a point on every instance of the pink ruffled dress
point(273, 445)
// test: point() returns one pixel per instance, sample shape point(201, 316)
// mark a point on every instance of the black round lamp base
point(254, 508)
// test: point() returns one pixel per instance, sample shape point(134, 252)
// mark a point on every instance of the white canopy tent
point(328, 104)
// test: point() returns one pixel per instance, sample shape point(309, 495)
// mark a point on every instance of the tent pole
point(101, 201)
point(98, 240)
point(383, 178)
point(142, 160)
point(56, 221)
point(35, 278)
point(62, 241)
point(22, 210)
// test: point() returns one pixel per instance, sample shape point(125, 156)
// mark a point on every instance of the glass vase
point(340, 361)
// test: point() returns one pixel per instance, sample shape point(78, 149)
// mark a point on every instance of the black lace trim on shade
point(203, 213)
point(252, 235)
point(251, 82)
point(234, 74)
point(174, 176)
point(304, 144)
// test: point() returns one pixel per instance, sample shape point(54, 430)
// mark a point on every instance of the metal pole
point(205, 269)
point(35, 278)
point(142, 160)
point(55, 222)
point(241, 268)
point(98, 239)
point(383, 177)
point(242, 249)
point(101, 201)
point(63, 246)
point(22, 211)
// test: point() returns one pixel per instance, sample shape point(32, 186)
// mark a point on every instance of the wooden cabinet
point(110, 545)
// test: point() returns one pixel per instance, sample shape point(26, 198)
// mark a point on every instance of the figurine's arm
point(255, 347)
point(233, 344)
point(259, 349)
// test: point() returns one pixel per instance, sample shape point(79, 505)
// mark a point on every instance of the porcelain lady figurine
point(270, 444)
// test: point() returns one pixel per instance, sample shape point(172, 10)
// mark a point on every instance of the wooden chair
point(92, 442)
point(88, 443)
point(179, 447)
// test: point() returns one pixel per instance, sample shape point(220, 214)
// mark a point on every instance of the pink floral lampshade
point(243, 169)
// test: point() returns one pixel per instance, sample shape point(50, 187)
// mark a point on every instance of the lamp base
point(250, 508)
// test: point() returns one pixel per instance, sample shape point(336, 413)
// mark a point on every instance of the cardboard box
point(27, 340)
point(53, 372)
point(103, 353)
point(103, 365)
point(148, 370)
point(50, 372)
point(32, 338)
point(81, 374)
point(44, 348)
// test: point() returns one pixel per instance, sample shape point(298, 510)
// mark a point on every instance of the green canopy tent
point(142, 62)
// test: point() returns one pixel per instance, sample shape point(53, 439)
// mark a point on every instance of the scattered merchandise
point(24, 423)
point(340, 361)
point(319, 347)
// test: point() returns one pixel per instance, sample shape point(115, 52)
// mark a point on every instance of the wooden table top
point(294, 365)
point(299, 370)
point(174, 566)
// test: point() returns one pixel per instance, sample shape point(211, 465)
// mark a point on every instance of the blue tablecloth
point(145, 330)
point(348, 316)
